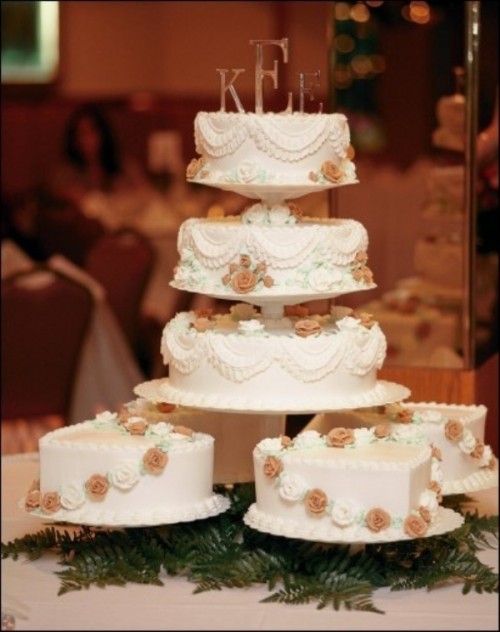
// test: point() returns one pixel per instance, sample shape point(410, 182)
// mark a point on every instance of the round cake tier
point(272, 156)
point(128, 472)
point(272, 254)
point(161, 390)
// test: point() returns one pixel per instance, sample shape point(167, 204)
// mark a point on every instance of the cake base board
point(160, 390)
point(445, 521)
point(97, 517)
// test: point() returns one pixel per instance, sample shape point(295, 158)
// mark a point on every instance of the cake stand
point(273, 307)
point(272, 194)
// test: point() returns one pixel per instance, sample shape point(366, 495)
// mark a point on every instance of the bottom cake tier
point(299, 363)
point(456, 430)
point(124, 471)
point(361, 485)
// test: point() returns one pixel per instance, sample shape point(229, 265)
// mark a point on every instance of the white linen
point(31, 588)
point(107, 371)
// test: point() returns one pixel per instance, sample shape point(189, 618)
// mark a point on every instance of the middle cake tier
point(271, 253)
point(241, 361)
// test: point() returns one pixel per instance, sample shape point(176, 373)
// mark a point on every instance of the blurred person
point(92, 160)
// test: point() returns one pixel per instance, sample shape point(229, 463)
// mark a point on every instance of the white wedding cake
point(368, 485)
point(125, 470)
point(266, 355)
point(456, 431)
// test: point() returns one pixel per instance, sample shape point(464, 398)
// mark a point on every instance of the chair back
point(122, 262)
point(45, 318)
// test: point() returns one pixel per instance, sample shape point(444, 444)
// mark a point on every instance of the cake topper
point(314, 81)
point(223, 88)
point(260, 73)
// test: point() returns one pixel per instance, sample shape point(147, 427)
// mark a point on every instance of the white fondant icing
point(181, 491)
point(302, 259)
point(270, 148)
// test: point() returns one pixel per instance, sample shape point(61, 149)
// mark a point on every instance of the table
point(30, 589)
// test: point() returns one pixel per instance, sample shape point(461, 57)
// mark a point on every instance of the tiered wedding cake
point(269, 353)
point(266, 355)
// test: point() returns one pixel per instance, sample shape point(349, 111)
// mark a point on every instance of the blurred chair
point(64, 229)
point(45, 318)
point(122, 262)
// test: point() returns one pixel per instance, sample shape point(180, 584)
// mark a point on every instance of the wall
point(174, 48)
point(154, 66)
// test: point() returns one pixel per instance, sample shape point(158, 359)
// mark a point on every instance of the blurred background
point(149, 67)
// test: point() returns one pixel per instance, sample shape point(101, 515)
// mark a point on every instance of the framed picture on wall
point(30, 42)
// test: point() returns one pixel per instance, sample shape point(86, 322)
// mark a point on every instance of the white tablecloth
point(30, 589)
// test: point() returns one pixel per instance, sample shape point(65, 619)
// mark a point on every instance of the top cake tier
point(272, 156)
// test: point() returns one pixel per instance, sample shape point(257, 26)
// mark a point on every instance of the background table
point(31, 589)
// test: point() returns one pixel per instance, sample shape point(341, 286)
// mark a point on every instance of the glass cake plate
point(99, 517)
point(475, 482)
point(160, 390)
point(446, 520)
point(273, 193)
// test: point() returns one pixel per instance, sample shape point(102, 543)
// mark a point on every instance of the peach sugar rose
point(415, 526)
point(316, 501)
point(453, 430)
point(307, 327)
point(286, 441)
point(243, 281)
point(331, 171)
point(272, 467)
point(381, 431)
point(154, 461)
point(377, 520)
point(32, 500)
point(478, 451)
point(136, 427)
point(202, 324)
point(97, 487)
point(340, 437)
point(194, 167)
point(183, 430)
point(50, 502)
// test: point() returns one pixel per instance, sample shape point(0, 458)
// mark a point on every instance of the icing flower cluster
point(360, 271)
point(345, 512)
point(455, 431)
point(244, 276)
point(123, 476)
point(262, 214)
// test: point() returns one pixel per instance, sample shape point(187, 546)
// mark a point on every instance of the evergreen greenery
point(222, 552)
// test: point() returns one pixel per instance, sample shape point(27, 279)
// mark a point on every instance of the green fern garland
point(222, 552)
